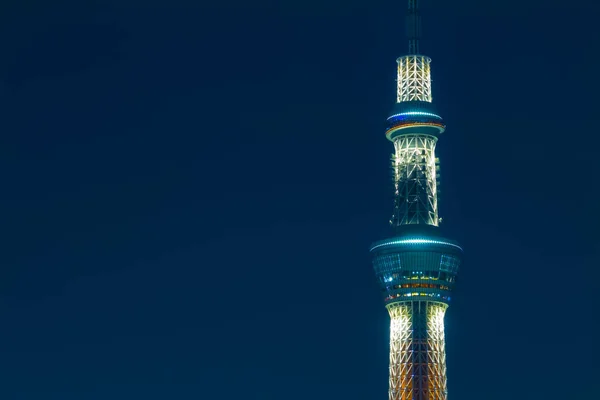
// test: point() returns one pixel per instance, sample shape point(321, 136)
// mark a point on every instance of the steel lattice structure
point(414, 78)
point(417, 351)
point(416, 267)
point(415, 184)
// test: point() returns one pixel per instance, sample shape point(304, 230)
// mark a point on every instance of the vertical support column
point(401, 366)
point(436, 351)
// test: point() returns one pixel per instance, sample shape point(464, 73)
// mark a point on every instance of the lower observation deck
point(414, 267)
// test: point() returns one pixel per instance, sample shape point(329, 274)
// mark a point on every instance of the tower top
point(413, 26)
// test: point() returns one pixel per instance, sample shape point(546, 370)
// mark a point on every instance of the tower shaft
point(417, 351)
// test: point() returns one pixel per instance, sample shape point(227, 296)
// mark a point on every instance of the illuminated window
point(387, 263)
point(449, 264)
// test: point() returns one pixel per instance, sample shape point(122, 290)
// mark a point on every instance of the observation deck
point(414, 117)
point(416, 265)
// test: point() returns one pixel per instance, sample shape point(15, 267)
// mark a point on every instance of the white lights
point(414, 80)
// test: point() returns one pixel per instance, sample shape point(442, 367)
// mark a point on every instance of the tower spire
point(413, 26)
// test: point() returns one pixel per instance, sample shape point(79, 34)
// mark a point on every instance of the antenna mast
point(413, 26)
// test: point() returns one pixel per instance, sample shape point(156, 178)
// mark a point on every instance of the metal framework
point(417, 351)
point(414, 78)
point(415, 180)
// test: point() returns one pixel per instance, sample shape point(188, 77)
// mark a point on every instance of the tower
point(417, 266)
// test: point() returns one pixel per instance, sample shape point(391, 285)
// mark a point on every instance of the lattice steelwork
point(401, 342)
point(415, 183)
point(417, 267)
point(414, 78)
point(417, 351)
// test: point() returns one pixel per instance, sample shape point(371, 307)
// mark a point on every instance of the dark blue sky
point(190, 191)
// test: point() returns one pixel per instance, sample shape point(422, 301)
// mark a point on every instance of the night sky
point(189, 192)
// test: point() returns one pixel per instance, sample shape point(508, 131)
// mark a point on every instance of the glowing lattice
point(417, 352)
point(414, 78)
point(415, 180)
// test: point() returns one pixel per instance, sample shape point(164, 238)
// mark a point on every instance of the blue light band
point(409, 113)
point(415, 241)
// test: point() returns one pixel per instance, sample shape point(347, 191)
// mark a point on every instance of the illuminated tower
point(417, 267)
